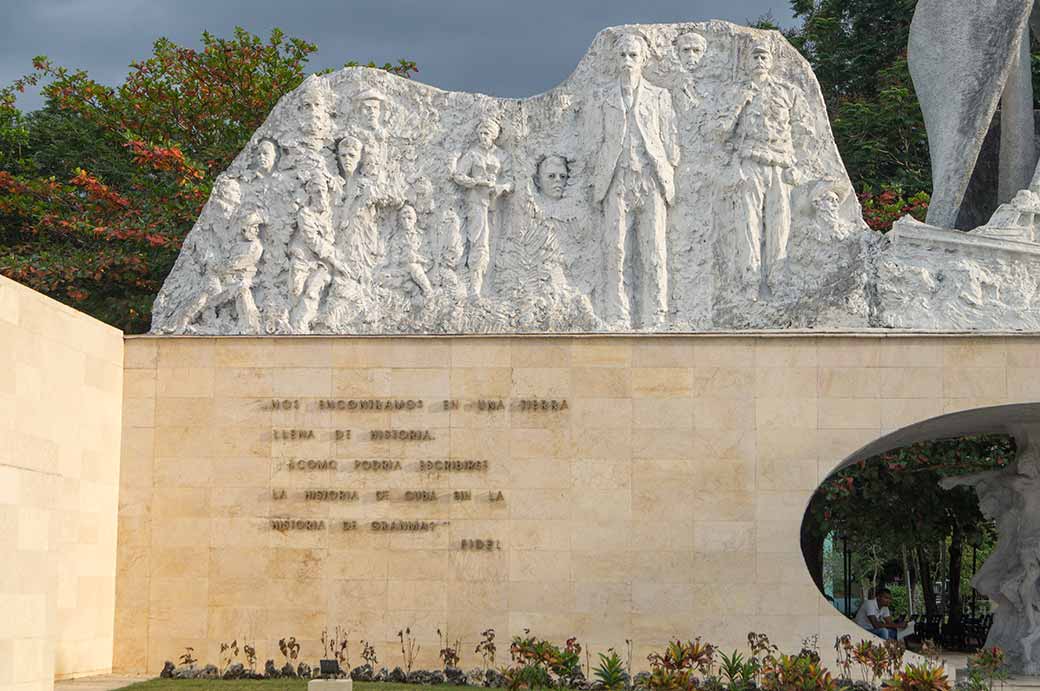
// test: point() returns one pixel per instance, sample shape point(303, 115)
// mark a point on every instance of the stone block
point(973, 353)
point(974, 382)
point(902, 412)
point(786, 353)
point(785, 382)
point(849, 382)
point(601, 382)
point(595, 352)
point(849, 413)
point(330, 685)
point(848, 352)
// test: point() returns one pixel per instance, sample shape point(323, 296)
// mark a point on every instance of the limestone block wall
point(60, 407)
point(608, 488)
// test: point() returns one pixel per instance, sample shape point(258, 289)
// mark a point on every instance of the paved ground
point(104, 682)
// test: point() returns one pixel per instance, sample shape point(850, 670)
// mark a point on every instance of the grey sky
point(510, 48)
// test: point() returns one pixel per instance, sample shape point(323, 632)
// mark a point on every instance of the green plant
point(924, 677)
point(289, 648)
point(368, 654)
point(881, 210)
point(760, 645)
point(872, 658)
point(691, 655)
point(527, 676)
point(987, 666)
point(409, 648)
point(796, 673)
point(250, 653)
point(228, 653)
point(449, 654)
point(894, 650)
point(674, 669)
point(534, 659)
point(187, 658)
point(843, 654)
point(486, 648)
point(662, 679)
point(611, 670)
point(568, 661)
point(738, 671)
point(810, 648)
point(337, 646)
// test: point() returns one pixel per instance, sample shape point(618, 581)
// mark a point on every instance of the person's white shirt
point(868, 609)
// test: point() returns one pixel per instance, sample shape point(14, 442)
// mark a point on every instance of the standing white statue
point(967, 58)
point(483, 172)
point(634, 180)
point(312, 256)
point(346, 284)
point(374, 188)
point(759, 125)
point(1010, 577)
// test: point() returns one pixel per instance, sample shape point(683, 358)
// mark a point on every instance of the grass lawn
point(267, 685)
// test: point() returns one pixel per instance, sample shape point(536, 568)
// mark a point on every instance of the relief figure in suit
point(633, 180)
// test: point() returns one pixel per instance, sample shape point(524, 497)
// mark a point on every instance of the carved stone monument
point(683, 178)
point(967, 58)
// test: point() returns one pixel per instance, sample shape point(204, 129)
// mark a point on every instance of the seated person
point(874, 616)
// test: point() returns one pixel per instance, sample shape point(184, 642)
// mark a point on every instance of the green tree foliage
point(894, 501)
point(850, 43)
point(99, 188)
point(858, 50)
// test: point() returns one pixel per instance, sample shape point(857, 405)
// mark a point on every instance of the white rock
point(683, 178)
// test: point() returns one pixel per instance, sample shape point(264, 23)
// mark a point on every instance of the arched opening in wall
point(894, 537)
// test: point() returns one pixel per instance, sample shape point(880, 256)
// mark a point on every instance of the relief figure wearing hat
point(484, 173)
point(759, 123)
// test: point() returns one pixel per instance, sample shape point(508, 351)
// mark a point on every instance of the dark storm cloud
point(509, 48)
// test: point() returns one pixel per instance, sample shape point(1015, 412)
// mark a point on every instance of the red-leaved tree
point(99, 188)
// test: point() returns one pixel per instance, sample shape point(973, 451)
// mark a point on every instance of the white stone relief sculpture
point(389, 206)
point(551, 176)
point(691, 47)
point(484, 174)
point(759, 127)
point(965, 59)
point(231, 279)
point(690, 94)
point(940, 279)
point(410, 266)
point(1018, 219)
point(633, 179)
